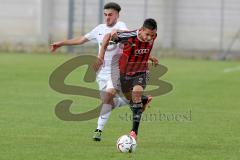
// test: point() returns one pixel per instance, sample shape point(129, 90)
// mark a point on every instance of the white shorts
point(108, 81)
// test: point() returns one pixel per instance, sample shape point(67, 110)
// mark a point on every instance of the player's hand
point(114, 34)
point(154, 61)
point(98, 64)
point(55, 46)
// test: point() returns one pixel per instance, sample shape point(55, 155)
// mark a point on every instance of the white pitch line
point(228, 70)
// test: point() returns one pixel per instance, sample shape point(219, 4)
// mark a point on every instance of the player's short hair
point(112, 5)
point(150, 24)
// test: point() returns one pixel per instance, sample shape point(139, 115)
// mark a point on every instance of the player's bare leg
point(105, 112)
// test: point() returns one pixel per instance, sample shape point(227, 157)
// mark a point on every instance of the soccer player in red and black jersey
point(133, 64)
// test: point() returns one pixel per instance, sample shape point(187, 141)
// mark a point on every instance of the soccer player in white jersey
point(105, 77)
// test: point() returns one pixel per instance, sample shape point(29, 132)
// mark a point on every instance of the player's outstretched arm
point(114, 33)
point(75, 41)
point(105, 43)
point(101, 54)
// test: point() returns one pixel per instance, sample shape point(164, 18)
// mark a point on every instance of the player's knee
point(138, 88)
point(108, 96)
point(112, 91)
point(137, 93)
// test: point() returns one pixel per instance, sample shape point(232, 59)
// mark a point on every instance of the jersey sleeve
point(119, 38)
point(123, 36)
point(122, 26)
point(92, 35)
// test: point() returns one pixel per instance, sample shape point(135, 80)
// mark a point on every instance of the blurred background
point(193, 37)
point(186, 28)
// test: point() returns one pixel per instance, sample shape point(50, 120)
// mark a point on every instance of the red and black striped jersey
point(135, 54)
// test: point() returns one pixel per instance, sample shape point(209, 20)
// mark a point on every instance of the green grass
point(30, 130)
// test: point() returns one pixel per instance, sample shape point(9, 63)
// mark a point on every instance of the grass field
point(207, 91)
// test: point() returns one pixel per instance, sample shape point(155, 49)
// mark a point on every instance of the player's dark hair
point(150, 24)
point(112, 5)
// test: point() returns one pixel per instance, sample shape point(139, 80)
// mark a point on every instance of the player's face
point(110, 16)
point(147, 34)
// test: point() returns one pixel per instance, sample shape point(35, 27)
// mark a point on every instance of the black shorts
point(128, 82)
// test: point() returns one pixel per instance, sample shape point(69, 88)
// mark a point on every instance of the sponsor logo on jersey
point(141, 51)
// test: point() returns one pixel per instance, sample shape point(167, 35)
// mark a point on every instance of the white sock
point(104, 116)
point(120, 101)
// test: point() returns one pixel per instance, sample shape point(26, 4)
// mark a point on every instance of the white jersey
point(97, 34)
